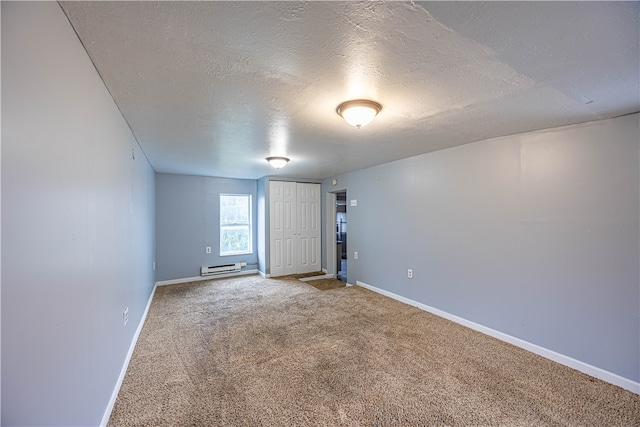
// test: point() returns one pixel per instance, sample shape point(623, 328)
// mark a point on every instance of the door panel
point(289, 266)
point(276, 255)
point(304, 255)
point(315, 251)
point(290, 226)
point(276, 227)
point(309, 226)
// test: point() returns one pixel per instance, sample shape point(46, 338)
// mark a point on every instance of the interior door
point(294, 226)
point(276, 228)
point(282, 228)
point(290, 252)
point(308, 230)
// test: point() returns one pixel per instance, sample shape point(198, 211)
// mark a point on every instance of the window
point(235, 224)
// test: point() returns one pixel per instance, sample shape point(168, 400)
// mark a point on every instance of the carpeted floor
point(249, 351)
point(326, 284)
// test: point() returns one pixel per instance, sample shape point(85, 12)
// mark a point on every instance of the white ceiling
point(212, 88)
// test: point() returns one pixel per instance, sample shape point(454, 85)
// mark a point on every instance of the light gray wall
point(534, 235)
point(77, 225)
point(188, 220)
point(261, 228)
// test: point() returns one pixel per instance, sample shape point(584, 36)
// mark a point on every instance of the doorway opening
point(341, 236)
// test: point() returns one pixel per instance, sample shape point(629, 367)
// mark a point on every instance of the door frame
point(330, 219)
point(330, 225)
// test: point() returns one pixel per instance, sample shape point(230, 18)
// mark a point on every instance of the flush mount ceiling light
point(277, 162)
point(359, 112)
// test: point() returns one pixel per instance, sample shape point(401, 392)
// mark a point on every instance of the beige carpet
point(326, 284)
point(264, 352)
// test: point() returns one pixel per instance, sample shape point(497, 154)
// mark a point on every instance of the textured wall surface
point(535, 235)
point(78, 225)
point(188, 220)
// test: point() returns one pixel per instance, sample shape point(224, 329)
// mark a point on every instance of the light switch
point(354, 202)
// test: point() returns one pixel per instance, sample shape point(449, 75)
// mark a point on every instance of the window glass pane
point(235, 224)
point(235, 238)
point(234, 209)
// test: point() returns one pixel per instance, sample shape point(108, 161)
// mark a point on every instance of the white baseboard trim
point(201, 278)
point(594, 371)
point(264, 275)
point(123, 371)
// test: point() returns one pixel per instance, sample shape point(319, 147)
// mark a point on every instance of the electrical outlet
point(243, 264)
point(355, 255)
point(208, 249)
point(410, 273)
point(125, 316)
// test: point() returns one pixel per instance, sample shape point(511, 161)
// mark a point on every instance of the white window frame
point(241, 224)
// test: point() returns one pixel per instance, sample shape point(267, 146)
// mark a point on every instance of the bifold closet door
point(308, 227)
point(282, 227)
point(294, 226)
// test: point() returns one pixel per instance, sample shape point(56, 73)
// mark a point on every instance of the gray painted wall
point(77, 225)
point(261, 228)
point(188, 220)
point(534, 235)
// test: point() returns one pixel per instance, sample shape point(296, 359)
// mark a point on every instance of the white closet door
point(294, 226)
point(290, 258)
point(276, 227)
point(308, 238)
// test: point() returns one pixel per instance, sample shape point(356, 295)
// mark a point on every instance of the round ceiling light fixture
point(359, 112)
point(277, 162)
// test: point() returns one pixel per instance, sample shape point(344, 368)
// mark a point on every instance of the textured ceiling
point(212, 88)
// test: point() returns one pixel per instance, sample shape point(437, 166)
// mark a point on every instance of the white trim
point(123, 371)
point(264, 275)
point(200, 278)
point(308, 279)
point(330, 237)
point(329, 276)
point(594, 371)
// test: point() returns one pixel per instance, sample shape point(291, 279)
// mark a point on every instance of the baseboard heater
point(212, 270)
